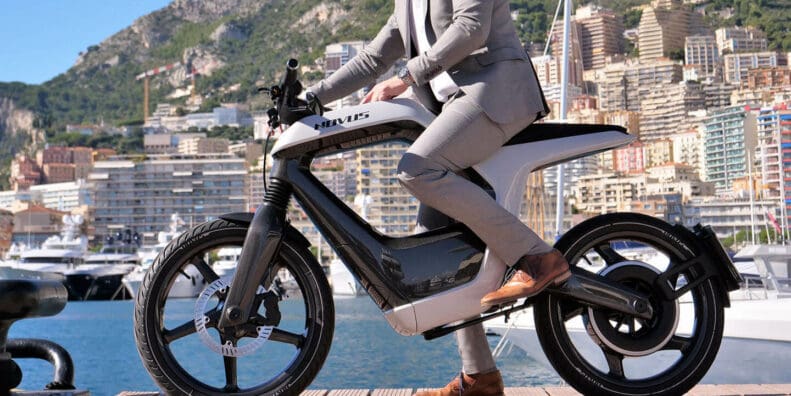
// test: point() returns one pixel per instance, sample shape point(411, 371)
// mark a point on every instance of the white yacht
point(756, 347)
point(58, 253)
point(100, 276)
point(187, 285)
point(343, 282)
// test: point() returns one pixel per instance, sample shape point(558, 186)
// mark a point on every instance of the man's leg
point(462, 136)
point(476, 356)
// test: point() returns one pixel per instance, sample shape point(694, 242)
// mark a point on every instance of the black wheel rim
point(282, 357)
point(614, 368)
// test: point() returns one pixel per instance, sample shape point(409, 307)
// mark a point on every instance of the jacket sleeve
point(366, 67)
point(468, 32)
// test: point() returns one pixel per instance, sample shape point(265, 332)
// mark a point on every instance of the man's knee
point(415, 171)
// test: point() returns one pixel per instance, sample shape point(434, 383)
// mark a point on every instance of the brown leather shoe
point(536, 273)
point(488, 384)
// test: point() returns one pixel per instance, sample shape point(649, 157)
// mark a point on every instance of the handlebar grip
point(291, 72)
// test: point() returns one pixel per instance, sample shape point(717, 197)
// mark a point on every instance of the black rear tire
point(162, 345)
point(568, 349)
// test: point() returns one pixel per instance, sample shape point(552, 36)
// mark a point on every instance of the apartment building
point(624, 85)
point(141, 193)
point(202, 145)
point(769, 77)
point(601, 35)
point(663, 27)
point(607, 192)
point(390, 208)
point(665, 109)
point(737, 66)
point(701, 52)
point(658, 152)
point(774, 141)
point(734, 40)
point(629, 159)
point(729, 135)
point(688, 149)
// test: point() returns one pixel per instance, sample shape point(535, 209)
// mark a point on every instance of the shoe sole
point(557, 281)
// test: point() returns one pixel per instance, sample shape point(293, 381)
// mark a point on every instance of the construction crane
point(534, 198)
point(145, 76)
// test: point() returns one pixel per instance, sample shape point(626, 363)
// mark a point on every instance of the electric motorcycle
point(264, 338)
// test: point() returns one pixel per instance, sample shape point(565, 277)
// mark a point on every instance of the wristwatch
point(405, 76)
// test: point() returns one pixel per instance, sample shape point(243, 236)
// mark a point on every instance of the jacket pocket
point(499, 55)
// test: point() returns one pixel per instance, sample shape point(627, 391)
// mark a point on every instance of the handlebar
point(288, 109)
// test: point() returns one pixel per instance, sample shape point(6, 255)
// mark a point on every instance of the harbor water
point(366, 352)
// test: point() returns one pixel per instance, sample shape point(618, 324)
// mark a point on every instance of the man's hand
point(386, 90)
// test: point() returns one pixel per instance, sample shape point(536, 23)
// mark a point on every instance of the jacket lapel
point(402, 16)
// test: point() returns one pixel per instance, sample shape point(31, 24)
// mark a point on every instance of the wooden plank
point(392, 392)
point(313, 392)
point(776, 389)
point(708, 390)
point(561, 391)
point(525, 392)
point(349, 392)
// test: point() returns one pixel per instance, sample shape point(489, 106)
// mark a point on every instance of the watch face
point(403, 73)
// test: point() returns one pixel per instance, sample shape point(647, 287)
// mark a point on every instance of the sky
point(40, 39)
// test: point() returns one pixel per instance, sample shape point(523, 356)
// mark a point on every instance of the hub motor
point(628, 335)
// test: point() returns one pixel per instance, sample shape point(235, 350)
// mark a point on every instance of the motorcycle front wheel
point(278, 351)
point(601, 352)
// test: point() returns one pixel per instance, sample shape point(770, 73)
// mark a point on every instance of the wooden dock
point(700, 390)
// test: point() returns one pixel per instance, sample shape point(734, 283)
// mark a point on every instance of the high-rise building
point(701, 52)
point(389, 207)
point(734, 40)
point(624, 85)
point(601, 35)
point(774, 138)
point(664, 111)
point(730, 135)
point(142, 194)
point(737, 66)
point(688, 149)
point(337, 55)
point(663, 27)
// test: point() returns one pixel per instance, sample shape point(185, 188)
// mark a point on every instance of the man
point(466, 64)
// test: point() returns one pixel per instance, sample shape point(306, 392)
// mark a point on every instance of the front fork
point(258, 252)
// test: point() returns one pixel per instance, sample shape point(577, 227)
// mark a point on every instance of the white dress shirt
point(442, 85)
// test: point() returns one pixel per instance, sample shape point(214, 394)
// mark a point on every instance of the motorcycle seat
point(547, 130)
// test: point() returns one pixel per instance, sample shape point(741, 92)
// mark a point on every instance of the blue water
point(366, 352)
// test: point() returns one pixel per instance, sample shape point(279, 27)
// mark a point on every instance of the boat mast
point(564, 82)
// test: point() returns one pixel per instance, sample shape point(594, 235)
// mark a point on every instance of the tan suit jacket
point(473, 40)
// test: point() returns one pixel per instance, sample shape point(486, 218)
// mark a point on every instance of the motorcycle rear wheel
point(176, 352)
point(617, 355)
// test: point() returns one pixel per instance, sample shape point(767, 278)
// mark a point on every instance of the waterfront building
point(668, 207)
point(59, 196)
point(33, 224)
point(624, 85)
point(701, 53)
point(601, 35)
point(664, 110)
point(734, 40)
point(729, 135)
point(391, 209)
point(728, 217)
point(140, 193)
point(737, 66)
point(663, 27)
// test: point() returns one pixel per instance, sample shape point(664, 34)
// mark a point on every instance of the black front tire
point(554, 316)
point(157, 341)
